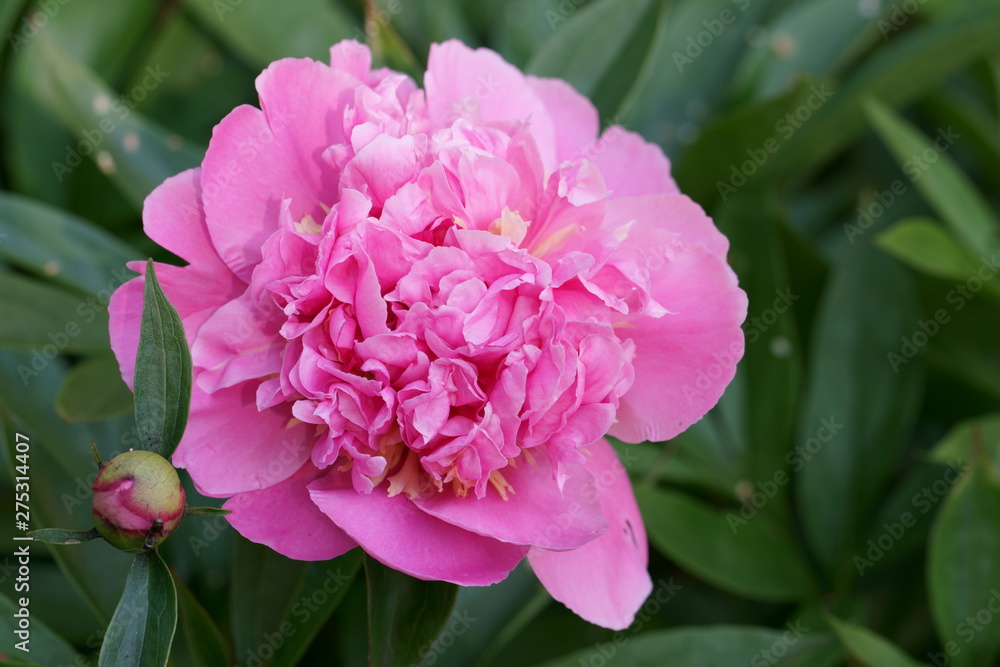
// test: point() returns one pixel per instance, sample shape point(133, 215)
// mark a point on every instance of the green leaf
point(203, 638)
point(963, 568)
point(135, 153)
point(963, 440)
point(262, 32)
point(861, 399)
point(274, 598)
point(772, 362)
point(209, 512)
point(708, 647)
point(868, 648)
point(941, 182)
point(751, 556)
point(58, 245)
point(603, 50)
point(45, 646)
point(48, 320)
point(927, 246)
point(143, 626)
point(63, 536)
point(405, 615)
point(162, 372)
point(92, 391)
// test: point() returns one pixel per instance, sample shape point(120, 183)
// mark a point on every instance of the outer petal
point(172, 215)
point(461, 82)
point(229, 447)
point(284, 518)
point(578, 120)
point(686, 358)
point(606, 581)
point(631, 165)
point(257, 158)
point(395, 532)
point(534, 513)
point(676, 215)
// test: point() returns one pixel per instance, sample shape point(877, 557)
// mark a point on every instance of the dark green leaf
point(143, 626)
point(63, 536)
point(718, 646)
point(47, 320)
point(603, 50)
point(405, 615)
point(62, 247)
point(744, 553)
point(942, 183)
point(861, 398)
point(263, 32)
point(868, 648)
point(162, 372)
point(94, 390)
point(136, 154)
point(203, 639)
point(275, 598)
point(963, 568)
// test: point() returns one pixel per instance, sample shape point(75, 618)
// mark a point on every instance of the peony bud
point(138, 500)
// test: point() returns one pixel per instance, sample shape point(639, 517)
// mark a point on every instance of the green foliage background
point(840, 506)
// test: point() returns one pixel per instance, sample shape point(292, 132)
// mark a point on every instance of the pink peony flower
point(414, 314)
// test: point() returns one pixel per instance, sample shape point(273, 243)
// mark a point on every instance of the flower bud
point(138, 500)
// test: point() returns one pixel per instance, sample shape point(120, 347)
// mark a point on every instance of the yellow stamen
point(502, 486)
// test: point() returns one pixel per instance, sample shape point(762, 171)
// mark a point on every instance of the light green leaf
point(963, 568)
point(941, 182)
point(750, 556)
point(92, 391)
point(162, 372)
point(144, 623)
point(868, 648)
point(962, 441)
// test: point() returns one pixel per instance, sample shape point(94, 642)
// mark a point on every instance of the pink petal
point(172, 215)
point(631, 165)
point(396, 533)
point(480, 85)
point(685, 359)
point(257, 158)
point(284, 518)
point(604, 582)
point(535, 513)
point(578, 121)
point(674, 215)
point(230, 447)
